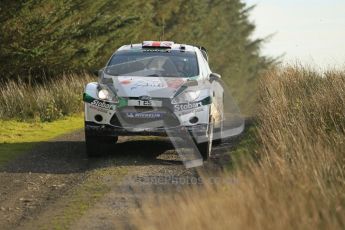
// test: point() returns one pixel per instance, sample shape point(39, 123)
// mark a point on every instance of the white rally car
point(151, 89)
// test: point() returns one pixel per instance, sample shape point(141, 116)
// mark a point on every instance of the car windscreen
point(157, 63)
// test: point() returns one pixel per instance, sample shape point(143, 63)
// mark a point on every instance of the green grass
point(84, 196)
point(14, 133)
point(245, 150)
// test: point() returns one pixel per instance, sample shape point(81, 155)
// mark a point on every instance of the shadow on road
point(68, 156)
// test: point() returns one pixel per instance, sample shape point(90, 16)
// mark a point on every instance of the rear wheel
point(98, 145)
point(205, 148)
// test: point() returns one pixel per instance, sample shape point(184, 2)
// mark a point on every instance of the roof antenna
point(163, 27)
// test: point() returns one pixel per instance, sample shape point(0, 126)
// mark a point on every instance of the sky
point(311, 32)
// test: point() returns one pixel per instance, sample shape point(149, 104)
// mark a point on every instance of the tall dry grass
point(45, 101)
point(299, 182)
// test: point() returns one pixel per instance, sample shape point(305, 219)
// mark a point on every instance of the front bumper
point(94, 129)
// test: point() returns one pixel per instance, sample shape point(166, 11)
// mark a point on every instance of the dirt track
point(43, 188)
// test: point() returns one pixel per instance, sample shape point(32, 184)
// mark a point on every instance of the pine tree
point(48, 37)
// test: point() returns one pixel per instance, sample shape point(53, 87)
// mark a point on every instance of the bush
point(46, 101)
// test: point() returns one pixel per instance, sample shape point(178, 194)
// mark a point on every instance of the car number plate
point(145, 103)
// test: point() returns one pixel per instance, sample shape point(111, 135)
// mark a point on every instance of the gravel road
point(41, 188)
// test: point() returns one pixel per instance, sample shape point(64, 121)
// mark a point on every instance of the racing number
point(144, 103)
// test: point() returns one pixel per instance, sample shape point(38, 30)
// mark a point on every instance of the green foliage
point(246, 148)
point(48, 101)
point(45, 38)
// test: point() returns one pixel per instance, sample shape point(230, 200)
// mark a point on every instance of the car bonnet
point(136, 86)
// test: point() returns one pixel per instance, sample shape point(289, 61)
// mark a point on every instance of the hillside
point(47, 38)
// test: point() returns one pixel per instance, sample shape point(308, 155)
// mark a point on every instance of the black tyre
point(217, 136)
point(205, 148)
point(98, 145)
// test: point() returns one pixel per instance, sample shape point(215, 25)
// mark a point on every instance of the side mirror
point(214, 77)
point(100, 73)
point(95, 72)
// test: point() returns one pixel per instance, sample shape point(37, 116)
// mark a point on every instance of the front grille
point(141, 108)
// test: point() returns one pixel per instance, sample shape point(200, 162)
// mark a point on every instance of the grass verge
point(14, 133)
point(246, 148)
point(297, 180)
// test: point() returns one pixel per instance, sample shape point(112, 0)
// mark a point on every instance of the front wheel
point(97, 145)
point(205, 148)
point(218, 134)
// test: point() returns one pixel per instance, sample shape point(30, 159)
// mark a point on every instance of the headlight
point(185, 97)
point(105, 94)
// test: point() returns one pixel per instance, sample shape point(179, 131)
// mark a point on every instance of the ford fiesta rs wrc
point(150, 89)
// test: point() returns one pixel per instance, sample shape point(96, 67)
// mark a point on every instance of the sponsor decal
point(99, 109)
point(192, 105)
point(87, 98)
point(143, 83)
point(123, 102)
point(164, 44)
point(144, 115)
point(175, 83)
point(125, 82)
point(192, 111)
point(188, 106)
point(145, 98)
point(119, 103)
point(157, 50)
point(103, 105)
